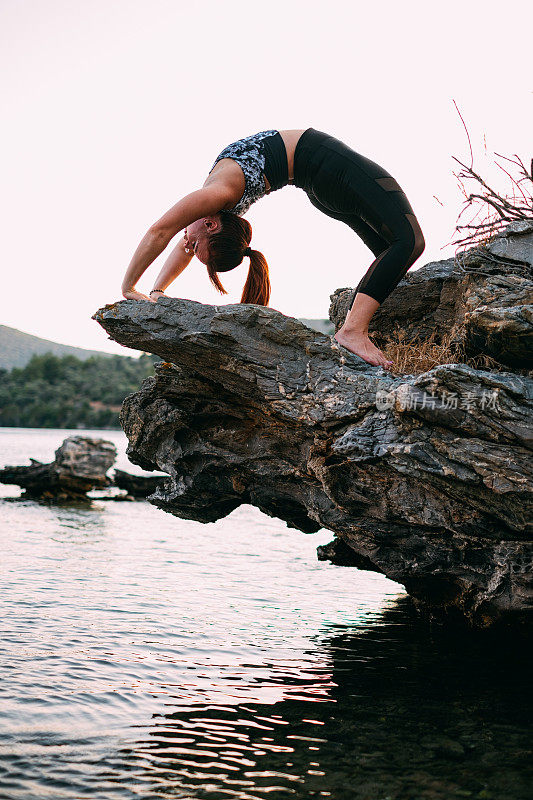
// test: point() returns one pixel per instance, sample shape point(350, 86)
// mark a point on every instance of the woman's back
point(254, 166)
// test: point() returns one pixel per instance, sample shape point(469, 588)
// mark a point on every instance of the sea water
point(146, 656)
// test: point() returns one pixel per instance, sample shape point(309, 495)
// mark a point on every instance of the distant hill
point(321, 325)
point(17, 348)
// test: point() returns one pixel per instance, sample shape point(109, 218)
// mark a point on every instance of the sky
point(112, 110)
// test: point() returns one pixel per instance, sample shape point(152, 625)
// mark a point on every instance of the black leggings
point(349, 187)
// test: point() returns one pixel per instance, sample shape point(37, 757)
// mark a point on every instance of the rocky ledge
point(425, 478)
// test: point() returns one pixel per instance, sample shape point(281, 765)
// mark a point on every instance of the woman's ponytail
point(227, 248)
point(257, 286)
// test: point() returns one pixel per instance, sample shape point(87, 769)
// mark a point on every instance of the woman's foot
point(358, 342)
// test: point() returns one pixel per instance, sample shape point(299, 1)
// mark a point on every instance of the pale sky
point(112, 110)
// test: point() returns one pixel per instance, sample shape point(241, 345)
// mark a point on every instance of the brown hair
point(226, 251)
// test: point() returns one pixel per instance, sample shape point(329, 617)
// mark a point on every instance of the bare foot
point(360, 344)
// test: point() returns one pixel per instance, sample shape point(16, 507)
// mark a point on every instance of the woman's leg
point(362, 307)
point(383, 218)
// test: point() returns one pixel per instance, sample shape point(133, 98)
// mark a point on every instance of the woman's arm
point(150, 246)
point(173, 266)
point(201, 203)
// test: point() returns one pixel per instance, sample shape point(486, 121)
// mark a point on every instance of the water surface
point(144, 656)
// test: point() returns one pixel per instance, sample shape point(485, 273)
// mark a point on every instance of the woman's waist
point(278, 150)
point(318, 153)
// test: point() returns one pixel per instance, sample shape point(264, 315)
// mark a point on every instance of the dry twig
point(498, 209)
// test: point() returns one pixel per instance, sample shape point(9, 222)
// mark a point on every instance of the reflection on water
point(394, 711)
point(144, 656)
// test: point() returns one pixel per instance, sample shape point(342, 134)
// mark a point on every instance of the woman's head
point(220, 243)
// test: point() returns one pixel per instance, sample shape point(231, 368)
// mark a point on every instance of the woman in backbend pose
point(338, 181)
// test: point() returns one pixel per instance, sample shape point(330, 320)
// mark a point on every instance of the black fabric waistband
point(276, 166)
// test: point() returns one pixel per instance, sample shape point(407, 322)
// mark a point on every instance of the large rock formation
point(426, 478)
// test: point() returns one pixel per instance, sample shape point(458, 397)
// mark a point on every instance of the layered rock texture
point(425, 478)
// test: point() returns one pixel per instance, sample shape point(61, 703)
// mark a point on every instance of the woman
point(338, 181)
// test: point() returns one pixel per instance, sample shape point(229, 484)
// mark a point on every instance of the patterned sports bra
point(258, 155)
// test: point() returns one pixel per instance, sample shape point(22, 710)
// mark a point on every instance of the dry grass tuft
point(420, 356)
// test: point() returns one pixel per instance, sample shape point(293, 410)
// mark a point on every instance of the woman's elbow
point(161, 232)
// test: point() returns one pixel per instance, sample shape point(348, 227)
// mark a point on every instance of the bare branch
point(492, 211)
point(468, 135)
point(513, 182)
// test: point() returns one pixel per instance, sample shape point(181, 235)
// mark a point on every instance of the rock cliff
point(426, 478)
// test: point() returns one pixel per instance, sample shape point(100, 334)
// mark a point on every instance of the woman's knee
point(420, 245)
point(418, 242)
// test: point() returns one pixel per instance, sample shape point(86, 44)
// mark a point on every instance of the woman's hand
point(133, 294)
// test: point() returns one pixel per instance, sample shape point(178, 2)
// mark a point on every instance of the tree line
point(66, 392)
